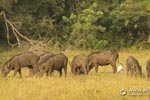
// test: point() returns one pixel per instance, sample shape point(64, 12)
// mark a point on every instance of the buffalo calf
point(79, 64)
point(44, 57)
point(56, 62)
point(133, 67)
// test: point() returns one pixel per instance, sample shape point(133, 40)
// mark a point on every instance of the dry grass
point(101, 86)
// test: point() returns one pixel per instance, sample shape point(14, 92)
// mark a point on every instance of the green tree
point(130, 23)
point(85, 31)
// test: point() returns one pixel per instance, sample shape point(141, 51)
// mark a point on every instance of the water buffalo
point(148, 68)
point(56, 62)
point(103, 58)
point(79, 64)
point(44, 57)
point(27, 59)
point(133, 67)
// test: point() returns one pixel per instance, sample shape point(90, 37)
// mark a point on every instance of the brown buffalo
point(56, 62)
point(44, 57)
point(15, 63)
point(79, 64)
point(133, 67)
point(148, 68)
point(102, 58)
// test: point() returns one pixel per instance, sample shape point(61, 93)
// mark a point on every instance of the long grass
point(103, 85)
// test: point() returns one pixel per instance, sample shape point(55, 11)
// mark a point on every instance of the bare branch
point(18, 32)
point(7, 29)
point(14, 30)
point(18, 40)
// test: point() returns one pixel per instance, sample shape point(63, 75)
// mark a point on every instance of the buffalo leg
point(19, 70)
point(96, 68)
point(85, 70)
point(114, 67)
point(128, 70)
point(131, 74)
point(132, 71)
point(35, 69)
point(65, 71)
point(15, 72)
point(90, 66)
point(53, 73)
point(136, 73)
point(50, 71)
point(46, 73)
point(31, 72)
point(88, 69)
point(77, 71)
point(74, 70)
point(41, 73)
point(60, 71)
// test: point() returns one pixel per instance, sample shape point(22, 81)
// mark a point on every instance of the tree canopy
point(83, 24)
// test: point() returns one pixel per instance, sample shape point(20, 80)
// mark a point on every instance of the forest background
point(83, 24)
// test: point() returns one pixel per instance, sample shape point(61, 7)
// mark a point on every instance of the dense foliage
point(82, 23)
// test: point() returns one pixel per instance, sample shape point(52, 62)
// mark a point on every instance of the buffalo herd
point(40, 63)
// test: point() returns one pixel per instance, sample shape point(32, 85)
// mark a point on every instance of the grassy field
point(103, 85)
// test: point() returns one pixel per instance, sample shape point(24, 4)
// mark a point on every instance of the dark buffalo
point(56, 62)
point(79, 64)
point(44, 57)
point(133, 67)
point(102, 58)
point(148, 68)
point(15, 63)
